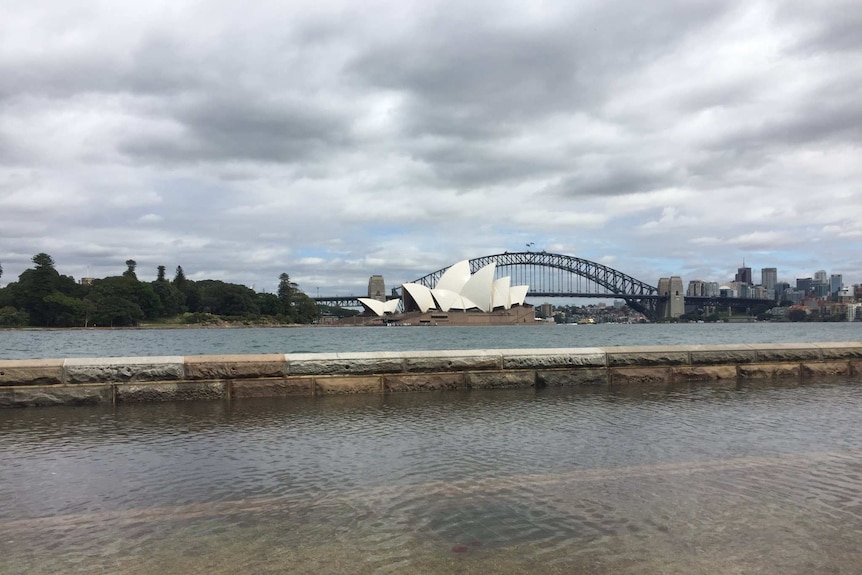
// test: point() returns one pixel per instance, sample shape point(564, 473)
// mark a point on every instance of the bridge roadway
point(353, 301)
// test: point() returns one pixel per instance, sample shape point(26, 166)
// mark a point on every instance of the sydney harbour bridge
point(552, 275)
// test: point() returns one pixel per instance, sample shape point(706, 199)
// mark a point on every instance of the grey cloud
point(245, 128)
point(615, 177)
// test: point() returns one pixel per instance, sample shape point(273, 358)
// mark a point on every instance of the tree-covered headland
point(42, 297)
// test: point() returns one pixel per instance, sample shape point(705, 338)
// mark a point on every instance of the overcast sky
point(336, 140)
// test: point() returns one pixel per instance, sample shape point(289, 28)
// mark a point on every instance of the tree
point(286, 289)
point(34, 285)
point(269, 304)
point(130, 269)
point(11, 317)
point(797, 314)
point(305, 309)
point(161, 274)
point(1, 270)
point(172, 299)
point(43, 261)
point(179, 278)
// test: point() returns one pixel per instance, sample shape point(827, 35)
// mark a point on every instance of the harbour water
point(715, 478)
point(757, 479)
point(31, 344)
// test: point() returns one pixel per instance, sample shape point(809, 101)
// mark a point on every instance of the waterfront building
point(804, 284)
point(769, 278)
point(695, 288)
point(836, 282)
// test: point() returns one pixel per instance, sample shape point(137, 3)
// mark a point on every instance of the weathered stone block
point(31, 372)
point(122, 369)
point(703, 373)
point(7, 397)
point(840, 350)
point(501, 379)
point(708, 355)
point(344, 363)
point(549, 358)
point(272, 387)
point(170, 391)
point(572, 377)
point(768, 370)
point(235, 366)
point(639, 375)
point(646, 355)
point(423, 382)
point(443, 361)
point(62, 395)
point(826, 368)
point(786, 352)
point(347, 384)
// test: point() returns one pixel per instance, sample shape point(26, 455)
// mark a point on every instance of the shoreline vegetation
point(43, 298)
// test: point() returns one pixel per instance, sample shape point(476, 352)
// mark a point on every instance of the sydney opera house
point(480, 297)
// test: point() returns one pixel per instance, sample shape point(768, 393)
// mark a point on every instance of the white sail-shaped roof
point(480, 287)
point(420, 295)
point(379, 308)
point(445, 298)
point(458, 290)
point(517, 294)
point(501, 293)
point(372, 305)
point(454, 278)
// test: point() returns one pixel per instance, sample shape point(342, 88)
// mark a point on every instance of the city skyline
point(334, 141)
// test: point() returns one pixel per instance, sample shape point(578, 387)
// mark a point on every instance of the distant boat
point(586, 321)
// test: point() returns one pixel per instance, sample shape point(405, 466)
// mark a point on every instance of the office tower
point(769, 277)
point(743, 275)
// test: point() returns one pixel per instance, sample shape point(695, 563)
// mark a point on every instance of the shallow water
point(761, 478)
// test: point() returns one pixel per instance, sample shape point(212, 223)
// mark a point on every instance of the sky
point(336, 140)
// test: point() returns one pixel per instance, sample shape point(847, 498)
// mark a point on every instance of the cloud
point(335, 140)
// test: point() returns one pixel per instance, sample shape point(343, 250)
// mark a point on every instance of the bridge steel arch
point(637, 294)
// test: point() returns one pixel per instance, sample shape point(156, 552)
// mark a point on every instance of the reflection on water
point(761, 479)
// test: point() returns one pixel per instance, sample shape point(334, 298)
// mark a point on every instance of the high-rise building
point(804, 285)
point(743, 275)
point(820, 277)
point(836, 282)
point(769, 277)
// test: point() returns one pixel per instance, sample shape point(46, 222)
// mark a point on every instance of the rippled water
point(756, 479)
point(152, 342)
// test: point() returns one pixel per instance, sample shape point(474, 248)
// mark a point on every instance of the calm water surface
point(151, 342)
point(755, 479)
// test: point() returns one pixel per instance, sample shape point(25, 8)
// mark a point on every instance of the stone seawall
point(133, 379)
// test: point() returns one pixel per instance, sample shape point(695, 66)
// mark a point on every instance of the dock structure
point(82, 381)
